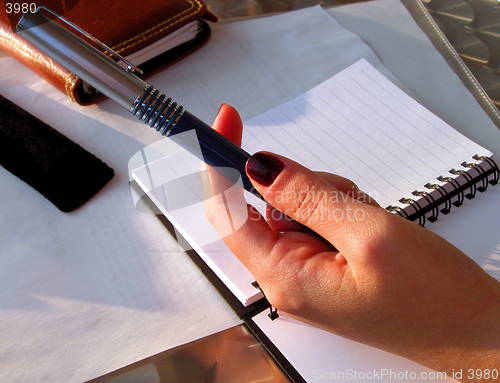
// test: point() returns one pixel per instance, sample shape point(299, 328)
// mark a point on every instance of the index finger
point(240, 225)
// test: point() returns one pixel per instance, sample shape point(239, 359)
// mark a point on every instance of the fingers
point(229, 124)
point(312, 200)
point(327, 204)
point(280, 222)
point(347, 187)
point(241, 227)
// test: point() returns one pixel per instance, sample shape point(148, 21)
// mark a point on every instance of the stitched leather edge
point(70, 86)
point(153, 30)
point(70, 82)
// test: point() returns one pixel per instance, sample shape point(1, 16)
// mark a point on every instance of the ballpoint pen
point(121, 85)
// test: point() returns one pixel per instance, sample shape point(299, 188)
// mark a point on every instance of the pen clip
point(130, 67)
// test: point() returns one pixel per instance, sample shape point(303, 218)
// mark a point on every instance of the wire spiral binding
point(443, 192)
point(410, 201)
point(273, 312)
point(431, 201)
point(458, 188)
point(157, 110)
point(481, 171)
point(492, 163)
point(451, 191)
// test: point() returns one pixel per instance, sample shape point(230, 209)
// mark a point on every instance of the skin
point(352, 268)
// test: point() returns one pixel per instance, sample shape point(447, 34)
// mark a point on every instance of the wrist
point(474, 354)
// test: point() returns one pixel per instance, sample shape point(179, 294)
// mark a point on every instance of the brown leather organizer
point(125, 25)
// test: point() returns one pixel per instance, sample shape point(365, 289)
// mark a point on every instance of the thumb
point(309, 199)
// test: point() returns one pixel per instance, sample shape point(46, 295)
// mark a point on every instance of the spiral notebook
point(357, 124)
point(361, 126)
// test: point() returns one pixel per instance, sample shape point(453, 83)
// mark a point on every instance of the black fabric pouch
point(61, 170)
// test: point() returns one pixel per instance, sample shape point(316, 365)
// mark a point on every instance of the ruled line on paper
point(353, 153)
point(390, 93)
point(372, 151)
point(339, 143)
point(257, 135)
point(361, 126)
point(294, 138)
point(395, 142)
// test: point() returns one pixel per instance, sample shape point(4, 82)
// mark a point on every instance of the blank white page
point(321, 356)
point(360, 125)
point(174, 184)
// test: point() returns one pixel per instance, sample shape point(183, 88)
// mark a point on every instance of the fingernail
point(264, 168)
point(220, 108)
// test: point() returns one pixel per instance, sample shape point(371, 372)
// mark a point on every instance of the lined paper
point(361, 126)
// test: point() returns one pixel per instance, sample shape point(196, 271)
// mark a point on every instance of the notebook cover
point(126, 27)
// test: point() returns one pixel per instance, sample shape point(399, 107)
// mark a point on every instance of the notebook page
point(174, 184)
point(321, 356)
point(360, 125)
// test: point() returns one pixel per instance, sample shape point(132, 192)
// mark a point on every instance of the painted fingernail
point(220, 108)
point(264, 168)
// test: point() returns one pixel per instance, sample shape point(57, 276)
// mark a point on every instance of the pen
point(145, 102)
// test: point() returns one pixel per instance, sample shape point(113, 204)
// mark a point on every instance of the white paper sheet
point(84, 293)
point(262, 63)
point(320, 356)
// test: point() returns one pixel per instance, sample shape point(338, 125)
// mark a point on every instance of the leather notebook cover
point(126, 26)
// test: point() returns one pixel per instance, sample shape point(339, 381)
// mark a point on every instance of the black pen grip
point(216, 150)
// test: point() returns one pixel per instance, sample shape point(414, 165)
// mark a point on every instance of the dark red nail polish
point(264, 168)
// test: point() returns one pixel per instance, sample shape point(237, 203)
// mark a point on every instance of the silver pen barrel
point(91, 65)
point(145, 102)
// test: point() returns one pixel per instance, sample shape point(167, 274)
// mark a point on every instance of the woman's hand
point(355, 269)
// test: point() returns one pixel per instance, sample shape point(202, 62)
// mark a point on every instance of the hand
point(360, 271)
